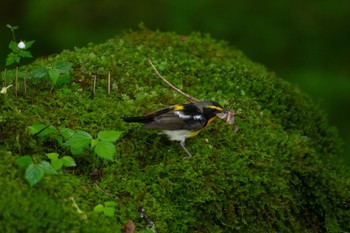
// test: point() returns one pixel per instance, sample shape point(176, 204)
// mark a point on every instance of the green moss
point(276, 174)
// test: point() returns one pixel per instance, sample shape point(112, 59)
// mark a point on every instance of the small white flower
point(21, 45)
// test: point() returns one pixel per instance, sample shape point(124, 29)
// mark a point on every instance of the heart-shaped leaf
point(54, 74)
point(79, 140)
point(105, 150)
point(68, 161)
point(34, 173)
point(109, 135)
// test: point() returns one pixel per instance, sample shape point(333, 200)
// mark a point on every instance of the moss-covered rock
point(276, 174)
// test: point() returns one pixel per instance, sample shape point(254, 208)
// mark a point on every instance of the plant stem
point(85, 217)
point(16, 85)
point(108, 194)
point(18, 144)
point(95, 83)
point(109, 82)
point(5, 72)
point(13, 33)
point(25, 86)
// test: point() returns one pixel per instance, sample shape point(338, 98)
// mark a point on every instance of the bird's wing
point(172, 119)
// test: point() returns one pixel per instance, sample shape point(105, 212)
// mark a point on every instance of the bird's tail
point(139, 119)
point(148, 118)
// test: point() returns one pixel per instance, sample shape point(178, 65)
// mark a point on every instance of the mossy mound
point(276, 174)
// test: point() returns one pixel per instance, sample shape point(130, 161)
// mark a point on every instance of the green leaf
point(79, 140)
point(24, 53)
point(105, 150)
point(24, 161)
point(63, 66)
point(29, 44)
point(34, 173)
point(68, 161)
point(35, 129)
point(110, 203)
point(57, 164)
point(59, 139)
point(48, 169)
point(94, 142)
point(77, 151)
point(99, 208)
point(150, 230)
point(51, 130)
point(67, 133)
point(52, 155)
point(13, 46)
point(54, 74)
point(40, 73)
point(109, 135)
point(64, 79)
point(108, 211)
point(12, 58)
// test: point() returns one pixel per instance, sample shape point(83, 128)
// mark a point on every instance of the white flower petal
point(21, 45)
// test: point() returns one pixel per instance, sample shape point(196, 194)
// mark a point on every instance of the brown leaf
point(229, 117)
point(129, 227)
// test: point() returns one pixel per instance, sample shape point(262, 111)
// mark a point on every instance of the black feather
point(140, 119)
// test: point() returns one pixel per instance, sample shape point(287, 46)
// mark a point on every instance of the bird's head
point(212, 109)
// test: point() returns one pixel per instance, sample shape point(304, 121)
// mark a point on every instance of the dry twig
point(109, 82)
point(104, 192)
point(75, 205)
point(190, 98)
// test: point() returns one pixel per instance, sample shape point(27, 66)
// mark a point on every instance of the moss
point(276, 174)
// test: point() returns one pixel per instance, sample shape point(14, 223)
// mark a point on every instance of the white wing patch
point(186, 117)
point(182, 115)
point(198, 117)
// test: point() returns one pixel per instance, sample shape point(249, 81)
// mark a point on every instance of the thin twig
point(190, 98)
point(75, 205)
point(109, 82)
point(108, 194)
point(95, 77)
point(25, 86)
point(16, 87)
point(92, 95)
point(5, 72)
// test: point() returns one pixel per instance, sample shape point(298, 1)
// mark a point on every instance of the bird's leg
point(182, 143)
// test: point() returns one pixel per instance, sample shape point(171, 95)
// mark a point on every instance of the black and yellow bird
point(182, 121)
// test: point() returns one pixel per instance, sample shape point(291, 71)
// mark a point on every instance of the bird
point(181, 121)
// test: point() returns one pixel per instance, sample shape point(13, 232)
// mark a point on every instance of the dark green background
point(305, 42)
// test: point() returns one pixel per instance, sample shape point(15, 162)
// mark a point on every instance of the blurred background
point(304, 42)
